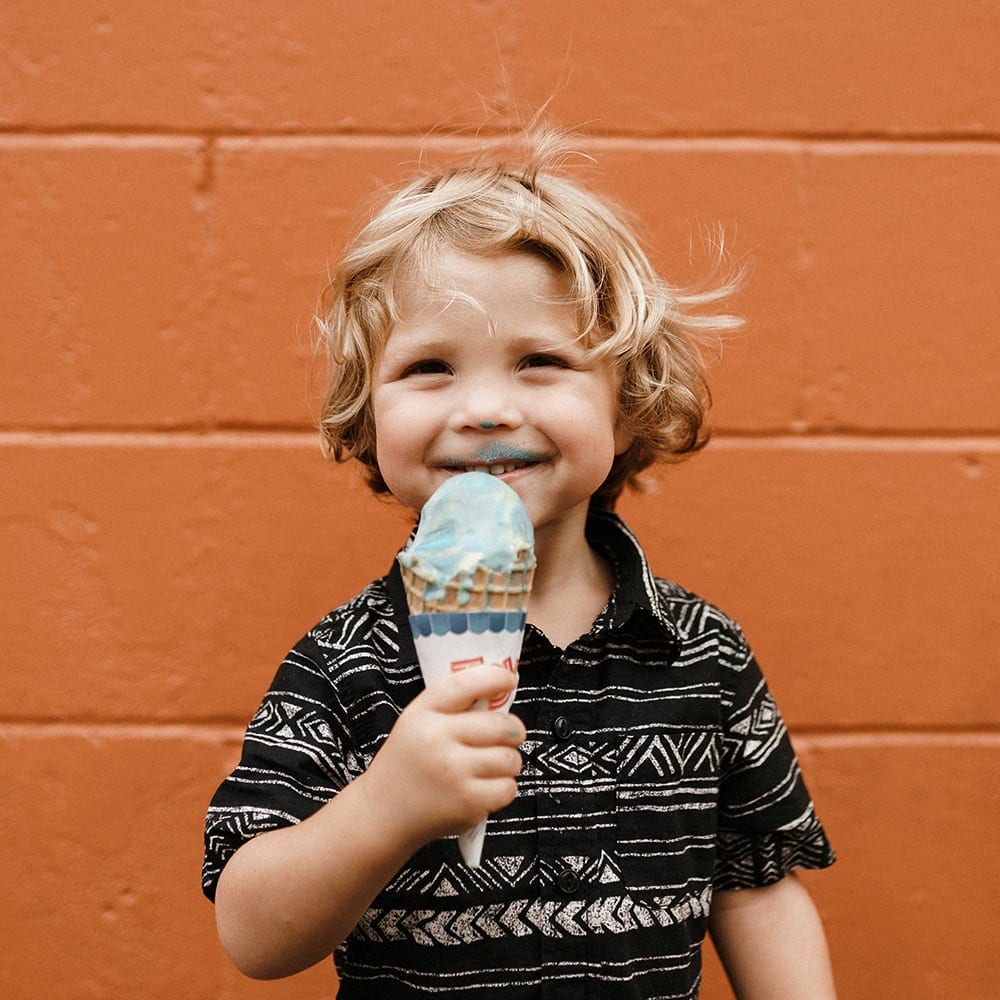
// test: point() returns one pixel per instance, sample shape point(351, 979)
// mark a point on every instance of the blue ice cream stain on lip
point(496, 451)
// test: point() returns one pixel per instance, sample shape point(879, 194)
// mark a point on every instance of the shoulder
point(354, 650)
point(352, 668)
point(368, 620)
point(701, 624)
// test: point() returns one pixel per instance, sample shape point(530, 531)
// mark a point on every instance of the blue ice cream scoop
point(473, 548)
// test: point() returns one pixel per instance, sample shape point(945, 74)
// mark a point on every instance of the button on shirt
point(562, 727)
point(656, 769)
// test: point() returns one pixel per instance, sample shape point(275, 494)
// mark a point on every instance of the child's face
point(484, 372)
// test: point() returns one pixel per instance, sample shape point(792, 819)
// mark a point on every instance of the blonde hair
point(650, 331)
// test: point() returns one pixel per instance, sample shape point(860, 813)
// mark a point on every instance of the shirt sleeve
point(294, 761)
point(767, 823)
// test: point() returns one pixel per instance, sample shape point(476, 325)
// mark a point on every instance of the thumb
point(461, 689)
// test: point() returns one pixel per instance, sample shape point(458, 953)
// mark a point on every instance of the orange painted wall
point(174, 180)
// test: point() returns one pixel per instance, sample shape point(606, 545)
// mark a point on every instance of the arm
point(287, 898)
point(771, 943)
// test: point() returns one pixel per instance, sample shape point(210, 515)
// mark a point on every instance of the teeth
point(498, 469)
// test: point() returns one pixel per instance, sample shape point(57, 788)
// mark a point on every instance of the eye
point(428, 366)
point(544, 361)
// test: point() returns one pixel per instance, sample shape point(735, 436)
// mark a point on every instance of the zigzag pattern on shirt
point(294, 724)
point(492, 875)
point(602, 870)
point(501, 873)
point(759, 727)
point(291, 720)
point(668, 756)
point(523, 917)
point(640, 757)
point(750, 863)
point(554, 760)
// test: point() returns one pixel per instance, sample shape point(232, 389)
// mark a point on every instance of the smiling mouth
point(497, 469)
point(496, 460)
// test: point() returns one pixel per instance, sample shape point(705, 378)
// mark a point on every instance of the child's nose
point(484, 405)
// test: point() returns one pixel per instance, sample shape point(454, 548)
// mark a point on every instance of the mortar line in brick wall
point(106, 140)
point(248, 437)
point(837, 740)
point(197, 732)
point(118, 133)
point(889, 441)
point(600, 143)
point(251, 436)
point(863, 141)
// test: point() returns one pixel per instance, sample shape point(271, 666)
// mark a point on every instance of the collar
point(635, 590)
point(635, 586)
point(400, 613)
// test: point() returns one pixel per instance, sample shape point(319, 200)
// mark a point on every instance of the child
point(644, 791)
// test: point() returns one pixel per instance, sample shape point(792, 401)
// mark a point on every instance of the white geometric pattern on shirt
point(659, 755)
point(668, 754)
point(503, 872)
point(519, 918)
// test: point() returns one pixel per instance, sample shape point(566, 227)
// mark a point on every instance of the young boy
point(644, 790)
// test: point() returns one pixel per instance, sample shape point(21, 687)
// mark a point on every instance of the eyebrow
point(562, 341)
point(415, 343)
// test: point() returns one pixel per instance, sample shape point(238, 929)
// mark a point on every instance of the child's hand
point(445, 767)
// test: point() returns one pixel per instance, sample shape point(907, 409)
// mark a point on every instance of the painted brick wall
point(174, 181)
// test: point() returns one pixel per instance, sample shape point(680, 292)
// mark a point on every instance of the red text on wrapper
point(477, 661)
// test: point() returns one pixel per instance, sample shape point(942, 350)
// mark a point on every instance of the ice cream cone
point(481, 589)
point(467, 575)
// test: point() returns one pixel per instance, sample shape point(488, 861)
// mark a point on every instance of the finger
point(483, 729)
point(497, 762)
point(460, 690)
point(493, 794)
point(503, 791)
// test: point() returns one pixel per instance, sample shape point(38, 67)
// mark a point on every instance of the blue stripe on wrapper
point(457, 622)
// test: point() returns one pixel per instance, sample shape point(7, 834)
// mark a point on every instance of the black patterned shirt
point(656, 769)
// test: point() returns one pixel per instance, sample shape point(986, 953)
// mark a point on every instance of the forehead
point(512, 284)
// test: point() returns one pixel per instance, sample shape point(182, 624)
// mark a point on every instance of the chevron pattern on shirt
point(522, 917)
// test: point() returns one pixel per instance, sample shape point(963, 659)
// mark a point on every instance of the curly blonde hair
point(652, 332)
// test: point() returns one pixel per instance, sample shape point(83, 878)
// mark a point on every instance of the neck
point(572, 584)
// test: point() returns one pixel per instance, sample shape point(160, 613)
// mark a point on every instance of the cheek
point(400, 443)
point(623, 437)
point(606, 422)
point(386, 415)
point(385, 434)
point(390, 442)
point(623, 434)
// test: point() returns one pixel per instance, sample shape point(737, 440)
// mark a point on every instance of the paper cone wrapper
point(447, 641)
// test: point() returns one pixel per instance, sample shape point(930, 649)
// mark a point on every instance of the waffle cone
point(483, 590)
